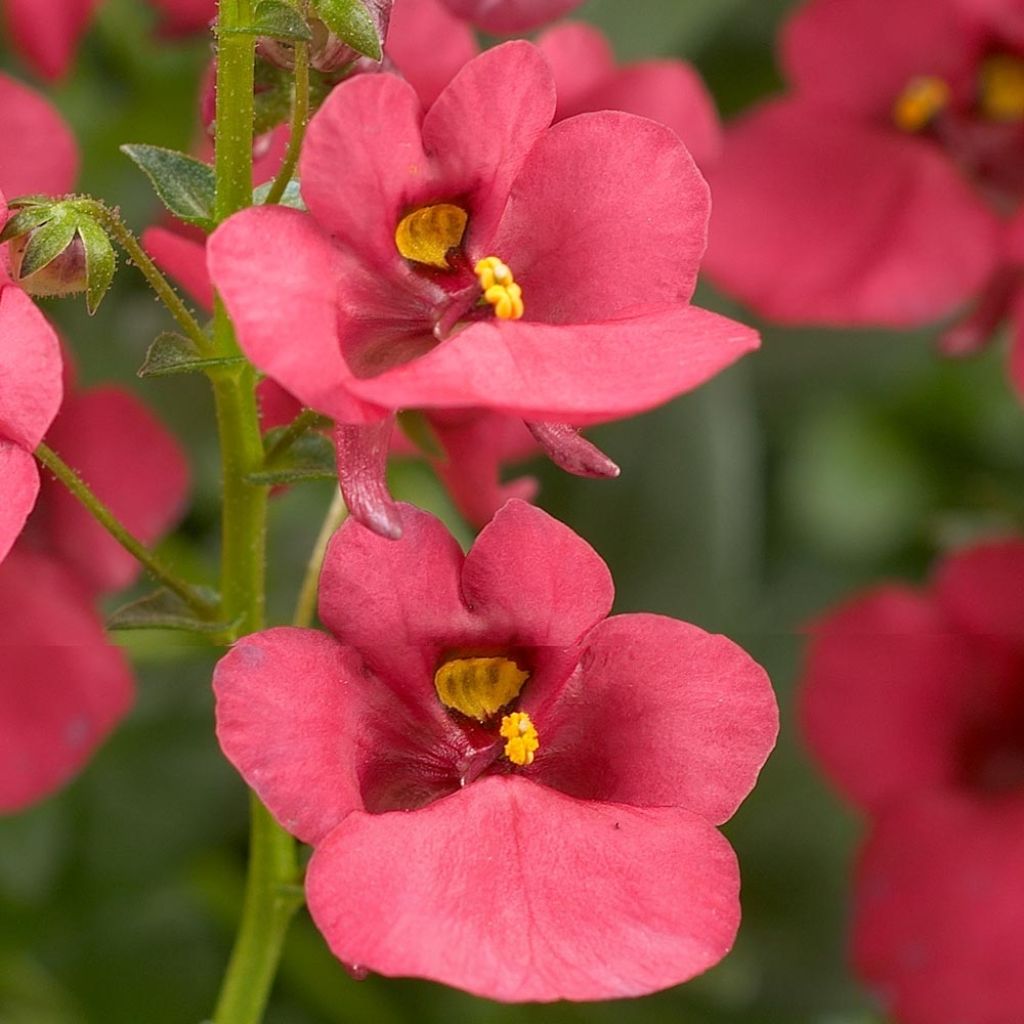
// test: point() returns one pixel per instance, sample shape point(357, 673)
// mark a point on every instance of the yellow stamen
point(920, 101)
point(1001, 88)
point(428, 234)
point(500, 288)
point(523, 741)
point(479, 687)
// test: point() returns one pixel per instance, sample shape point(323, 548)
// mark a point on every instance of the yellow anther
point(500, 288)
point(920, 101)
point(1001, 88)
point(479, 687)
point(522, 738)
point(428, 234)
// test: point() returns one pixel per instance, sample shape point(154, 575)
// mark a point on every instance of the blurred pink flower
point(46, 32)
point(506, 790)
point(877, 190)
point(507, 16)
point(390, 274)
point(913, 702)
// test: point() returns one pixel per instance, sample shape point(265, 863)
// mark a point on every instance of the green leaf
point(47, 242)
point(290, 197)
point(100, 263)
point(173, 353)
point(186, 186)
point(24, 221)
point(351, 22)
point(311, 457)
point(165, 610)
point(279, 20)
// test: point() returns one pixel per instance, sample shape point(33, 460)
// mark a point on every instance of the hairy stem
point(300, 117)
point(305, 607)
point(102, 514)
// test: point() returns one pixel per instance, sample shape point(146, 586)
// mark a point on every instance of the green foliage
point(186, 186)
point(350, 21)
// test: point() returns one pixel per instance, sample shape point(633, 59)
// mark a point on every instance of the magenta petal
point(362, 454)
point(517, 893)
point(628, 243)
point(581, 59)
point(578, 374)
point(30, 369)
point(131, 463)
point(363, 163)
point(939, 910)
point(183, 16)
point(396, 601)
point(531, 578)
point(62, 685)
point(980, 589)
point(659, 713)
point(275, 270)
point(569, 450)
point(46, 32)
point(883, 694)
point(428, 45)
point(479, 134)
point(834, 53)
point(39, 153)
point(19, 485)
point(508, 16)
point(184, 259)
point(821, 220)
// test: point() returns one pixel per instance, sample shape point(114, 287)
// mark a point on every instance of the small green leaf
point(47, 242)
point(352, 23)
point(279, 20)
point(165, 610)
point(186, 186)
point(24, 221)
point(100, 262)
point(290, 197)
point(311, 457)
point(35, 199)
point(173, 353)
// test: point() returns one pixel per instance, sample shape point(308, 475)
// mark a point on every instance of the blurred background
point(824, 462)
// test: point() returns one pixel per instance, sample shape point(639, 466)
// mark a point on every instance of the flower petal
point(517, 893)
point(980, 589)
point(184, 259)
point(183, 16)
point(62, 685)
point(939, 910)
point(39, 152)
point(821, 220)
point(275, 271)
point(619, 236)
point(578, 374)
point(534, 580)
point(18, 491)
point(428, 45)
point(659, 713)
point(30, 369)
point(46, 32)
point(362, 454)
point(581, 59)
point(132, 463)
point(503, 17)
point(883, 692)
point(318, 737)
point(483, 126)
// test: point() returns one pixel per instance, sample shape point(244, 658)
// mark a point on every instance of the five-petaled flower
point(885, 187)
point(381, 297)
point(913, 702)
point(506, 791)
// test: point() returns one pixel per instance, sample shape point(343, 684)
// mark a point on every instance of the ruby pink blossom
point(179, 17)
point(46, 32)
point(428, 46)
point(608, 329)
point(509, 16)
point(913, 702)
point(590, 868)
point(877, 189)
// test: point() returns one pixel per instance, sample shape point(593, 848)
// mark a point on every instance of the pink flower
point(428, 46)
point(506, 790)
point(913, 702)
point(448, 262)
point(181, 17)
point(46, 32)
point(875, 191)
point(507, 16)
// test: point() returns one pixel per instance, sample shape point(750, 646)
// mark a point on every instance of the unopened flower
point(506, 790)
point(913, 702)
point(476, 257)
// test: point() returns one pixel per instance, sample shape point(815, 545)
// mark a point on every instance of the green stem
point(81, 490)
point(306, 421)
point(300, 117)
point(305, 607)
point(270, 894)
point(111, 220)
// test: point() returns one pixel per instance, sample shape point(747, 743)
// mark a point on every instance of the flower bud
point(65, 274)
